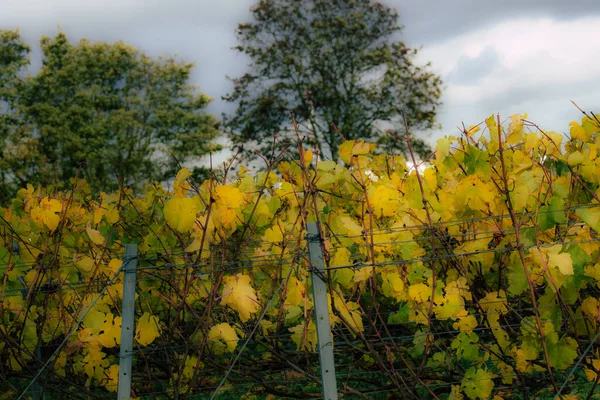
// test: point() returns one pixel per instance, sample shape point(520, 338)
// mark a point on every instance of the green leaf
point(590, 216)
point(400, 316)
point(562, 354)
point(465, 345)
point(580, 260)
point(552, 214)
point(517, 281)
point(476, 161)
point(477, 383)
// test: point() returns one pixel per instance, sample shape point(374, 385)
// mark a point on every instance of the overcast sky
point(510, 56)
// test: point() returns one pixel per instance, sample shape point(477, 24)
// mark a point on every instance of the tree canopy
point(13, 59)
point(333, 64)
point(105, 112)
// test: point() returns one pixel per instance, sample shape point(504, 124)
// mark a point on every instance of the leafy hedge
point(474, 275)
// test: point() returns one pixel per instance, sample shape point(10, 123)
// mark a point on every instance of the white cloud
point(541, 64)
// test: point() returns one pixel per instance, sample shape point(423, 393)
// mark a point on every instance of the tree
point(109, 113)
point(14, 55)
point(332, 63)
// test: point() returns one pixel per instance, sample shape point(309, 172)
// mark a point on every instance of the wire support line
point(362, 264)
point(262, 315)
point(234, 265)
point(74, 328)
point(442, 224)
point(496, 218)
point(587, 350)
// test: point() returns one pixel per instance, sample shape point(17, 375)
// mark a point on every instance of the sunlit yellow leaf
point(229, 196)
point(384, 200)
point(95, 236)
point(180, 186)
point(147, 329)
point(561, 261)
point(442, 149)
point(180, 213)
point(577, 131)
point(274, 235)
point(575, 158)
point(47, 213)
point(224, 333)
point(308, 157)
point(419, 292)
point(239, 295)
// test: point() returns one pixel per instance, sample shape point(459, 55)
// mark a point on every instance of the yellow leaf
point(95, 236)
point(225, 333)
point(308, 157)
point(229, 196)
point(114, 265)
point(340, 258)
point(362, 274)
point(360, 147)
point(552, 142)
point(472, 130)
point(593, 271)
point(98, 213)
point(305, 336)
point(532, 141)
point(477, 383)
point(46, 213)
point(239, 295)
point(590, 374)
point(345, 151)
point(494, 302)
point(86, 264)
point(384, 200)
point(575, 158)
point(147, 329)
point(350, 313)
point(590, 307)
point(577, 132)
point(94, 361)
point(419, 292)
point(442, 149)
point(351, 148)
point(466, 323)
point(562, 261)
point(396, 286)
point(110, 331)
point(274, 235)
point(515, 129)
point(295, 292)
point(180, 185)
point(112, 215)
point(111, 382)
point(352, 228)
point(180, 213)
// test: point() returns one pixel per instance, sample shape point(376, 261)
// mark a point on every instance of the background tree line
point(114, 115)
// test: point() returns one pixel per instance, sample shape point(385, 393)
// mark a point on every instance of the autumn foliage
point(474, 275)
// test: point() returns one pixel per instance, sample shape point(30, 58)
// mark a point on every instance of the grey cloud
point(469, 70)
point(548, 106)
point(431, 21)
